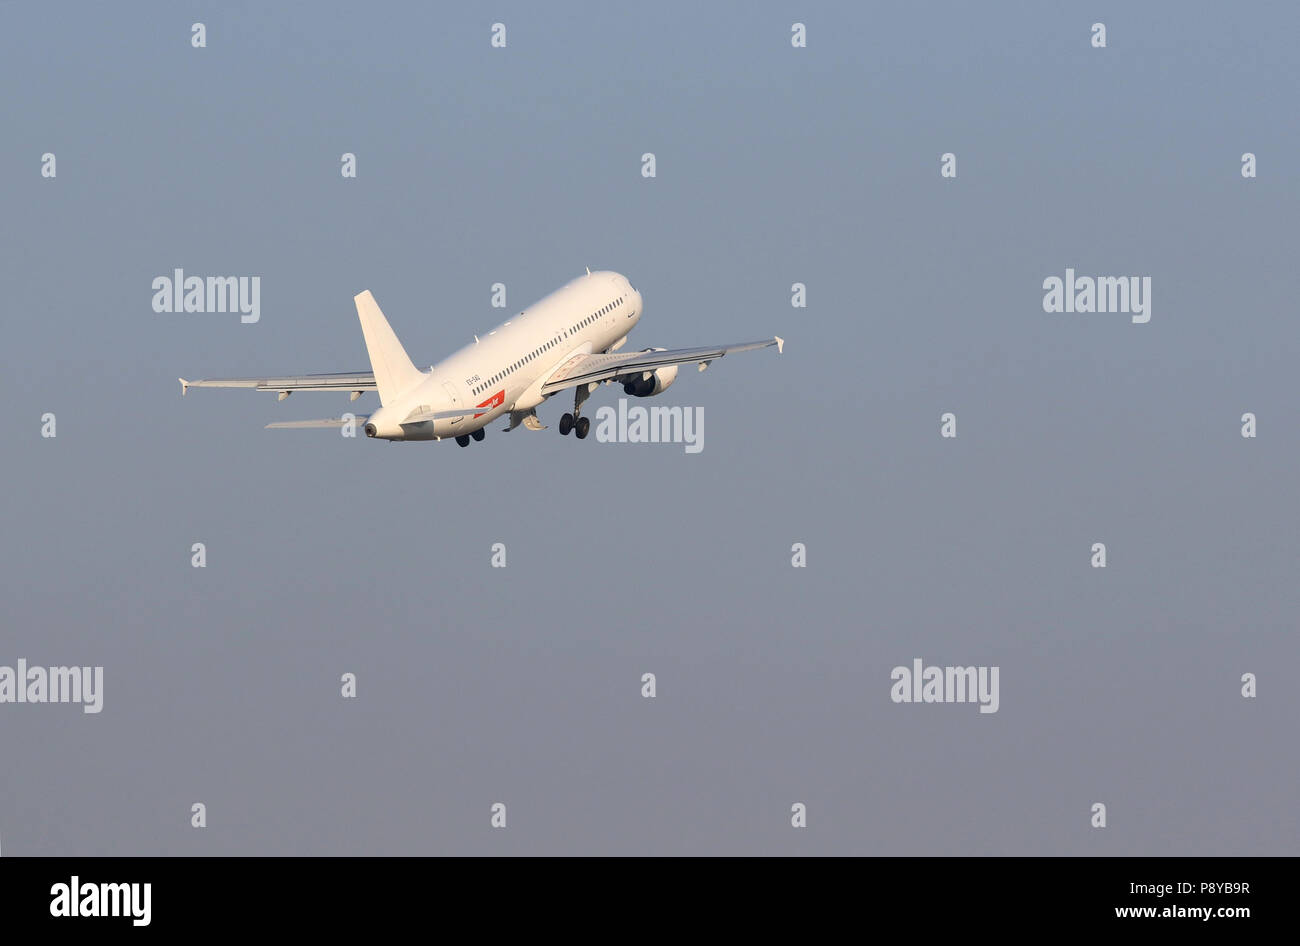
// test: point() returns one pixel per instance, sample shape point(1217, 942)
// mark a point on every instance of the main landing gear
point(580, 426)
point(478, 436)
point(576, 422)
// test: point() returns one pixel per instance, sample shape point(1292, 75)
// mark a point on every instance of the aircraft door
point(454, 400)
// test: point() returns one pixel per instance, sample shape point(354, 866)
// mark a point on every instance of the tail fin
point(394, 373)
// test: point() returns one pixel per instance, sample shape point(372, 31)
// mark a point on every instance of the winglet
point(185, 386)
point(780, 344)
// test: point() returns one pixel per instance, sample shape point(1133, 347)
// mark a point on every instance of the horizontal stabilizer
point(419, 417)
point(314, 424)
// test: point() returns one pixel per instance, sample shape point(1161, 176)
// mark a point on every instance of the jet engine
point(650, 383)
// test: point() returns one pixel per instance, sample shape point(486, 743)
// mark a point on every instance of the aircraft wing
point(343, 381)
point(583, 369)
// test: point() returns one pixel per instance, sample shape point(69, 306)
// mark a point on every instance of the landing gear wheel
point(463, 440)
point(478, 435)
point(566, 424)
point(582, 426)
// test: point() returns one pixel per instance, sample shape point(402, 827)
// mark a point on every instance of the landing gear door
point(454, 400)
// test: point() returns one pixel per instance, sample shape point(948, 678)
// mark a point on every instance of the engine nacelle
point(650, 383)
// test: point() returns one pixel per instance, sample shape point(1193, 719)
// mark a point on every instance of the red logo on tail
point(493, 402)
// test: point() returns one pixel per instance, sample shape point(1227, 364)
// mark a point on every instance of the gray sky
point(522, 685)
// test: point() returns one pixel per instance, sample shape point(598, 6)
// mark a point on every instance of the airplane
point(566, 340)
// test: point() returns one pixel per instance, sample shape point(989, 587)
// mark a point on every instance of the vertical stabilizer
point(394, 372)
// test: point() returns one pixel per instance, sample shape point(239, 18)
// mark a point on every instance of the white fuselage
point(504, 370)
